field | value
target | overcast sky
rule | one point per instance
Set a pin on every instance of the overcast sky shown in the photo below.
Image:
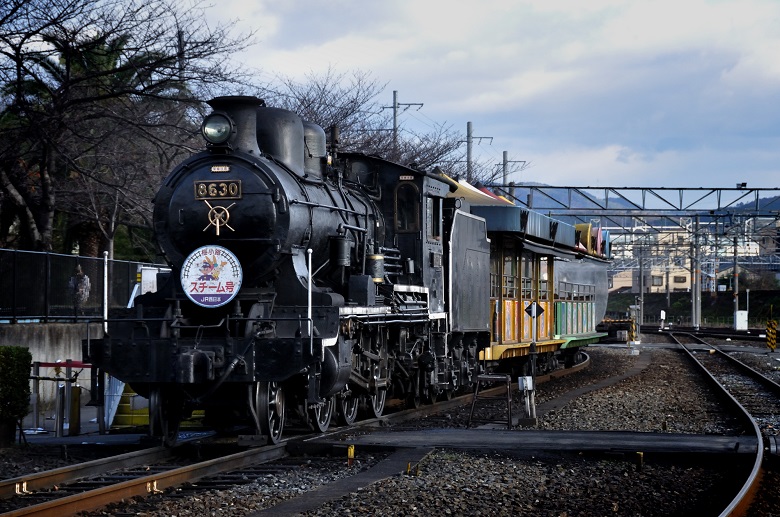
(678, 93)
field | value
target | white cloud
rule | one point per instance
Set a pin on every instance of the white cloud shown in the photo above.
(625, 91)
(619, 166)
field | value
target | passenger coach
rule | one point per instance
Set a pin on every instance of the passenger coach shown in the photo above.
(548, 285)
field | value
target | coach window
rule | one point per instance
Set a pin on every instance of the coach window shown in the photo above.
(407, 208)
(544, 278)
(527, 276)
(495, 269)
(510, 270)
(433, 217)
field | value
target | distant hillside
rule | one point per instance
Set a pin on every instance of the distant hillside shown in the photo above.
(765, 203)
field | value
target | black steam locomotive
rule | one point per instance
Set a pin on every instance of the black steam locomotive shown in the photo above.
(318, 282)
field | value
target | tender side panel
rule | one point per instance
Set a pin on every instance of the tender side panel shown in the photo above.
(469, 274)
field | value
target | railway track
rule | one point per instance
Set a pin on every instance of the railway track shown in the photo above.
(753, 335)
(754, 397)
(92, 485)
(151, 473)
(199, 477)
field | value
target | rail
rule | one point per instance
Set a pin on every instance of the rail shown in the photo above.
(142, 486)
(741, 501)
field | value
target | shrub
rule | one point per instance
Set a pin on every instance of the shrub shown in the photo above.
(15, 364)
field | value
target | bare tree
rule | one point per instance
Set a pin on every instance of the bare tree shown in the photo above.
(758, 280)
(99, 97)
(350, 102)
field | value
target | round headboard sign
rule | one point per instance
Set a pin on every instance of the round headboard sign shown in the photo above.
(211, 276)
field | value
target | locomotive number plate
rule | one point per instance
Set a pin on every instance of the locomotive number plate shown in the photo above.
(230, 189)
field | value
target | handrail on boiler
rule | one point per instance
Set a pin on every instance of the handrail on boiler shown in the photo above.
(309, 308)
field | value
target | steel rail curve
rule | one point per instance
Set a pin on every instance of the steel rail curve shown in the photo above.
(741, 502)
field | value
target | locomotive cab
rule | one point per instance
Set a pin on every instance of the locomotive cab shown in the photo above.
(417, 217)
(414, 237)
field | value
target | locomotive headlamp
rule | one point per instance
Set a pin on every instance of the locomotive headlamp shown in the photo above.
(217, 128)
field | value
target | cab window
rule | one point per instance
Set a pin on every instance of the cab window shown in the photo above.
(407, 208)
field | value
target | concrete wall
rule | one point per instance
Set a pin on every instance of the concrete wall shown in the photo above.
(49, 343)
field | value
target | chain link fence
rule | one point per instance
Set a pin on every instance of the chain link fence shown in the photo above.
(44, 287)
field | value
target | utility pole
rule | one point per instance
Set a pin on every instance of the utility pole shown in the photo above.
(505, 166)
(736, 282)
(695, 276)
(509, 187)
(395, 107)
(641, 288)
(668, 290)
(697, 286)
(469, 139)
(716, 262)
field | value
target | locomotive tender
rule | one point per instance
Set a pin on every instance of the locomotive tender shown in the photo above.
(315, 282)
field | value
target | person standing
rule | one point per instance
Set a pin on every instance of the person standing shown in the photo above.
(79, 289)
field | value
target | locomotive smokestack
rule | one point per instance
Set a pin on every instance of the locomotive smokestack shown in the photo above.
(243, 112)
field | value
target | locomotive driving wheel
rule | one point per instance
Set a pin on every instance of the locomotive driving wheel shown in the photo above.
(266, 401)
(376, 402)
(446, 394)
(348, 407)
(165, 415)
(319, 416)
(413, 397)
(376, 370)
(430, 390)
